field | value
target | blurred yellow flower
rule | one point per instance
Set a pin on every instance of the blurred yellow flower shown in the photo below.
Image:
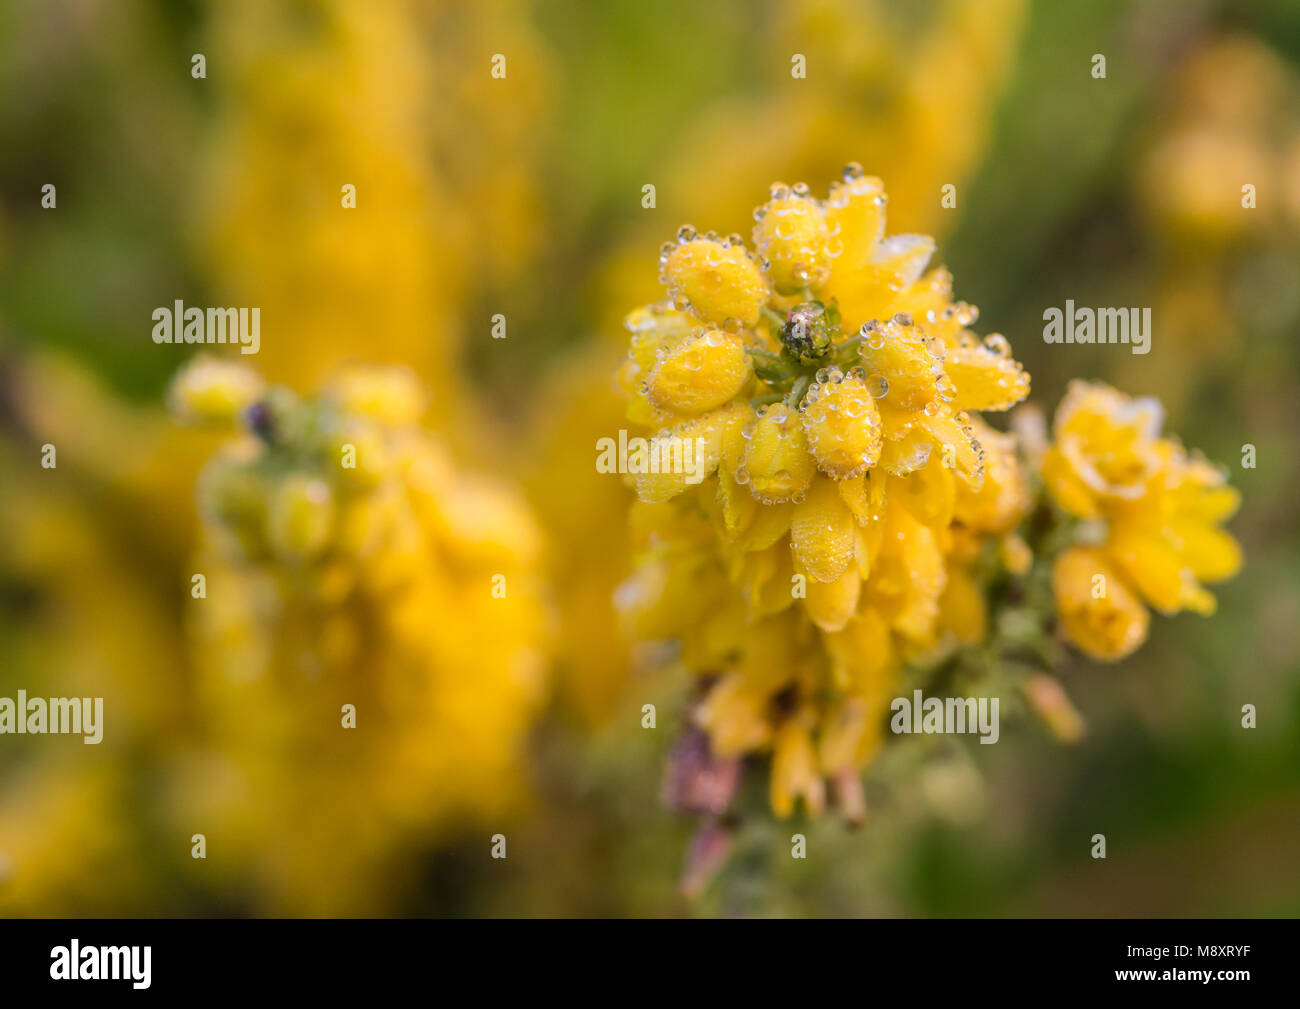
(1160, 509)
(1098, 612)
(213, 390)
(1217, 186)
(1228, 122)
(355, 573)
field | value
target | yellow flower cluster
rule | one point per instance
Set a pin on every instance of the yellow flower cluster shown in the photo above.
(342, 197)
(827, 383)
(352, 572)
(961, 49)
(1159, 508)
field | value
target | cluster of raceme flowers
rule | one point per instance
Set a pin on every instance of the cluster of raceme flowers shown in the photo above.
(353, 565)
(857, 514)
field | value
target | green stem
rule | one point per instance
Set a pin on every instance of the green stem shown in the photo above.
(771, 367)
(845, 354)
(774, 319)
(796, 393)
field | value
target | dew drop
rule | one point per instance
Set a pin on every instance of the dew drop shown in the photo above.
(999, 344)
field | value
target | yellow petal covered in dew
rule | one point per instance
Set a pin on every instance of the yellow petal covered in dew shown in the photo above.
(701, 373)
(792, 238)
(777, 464)
(822, 532)
(842, 423)
(715, 280)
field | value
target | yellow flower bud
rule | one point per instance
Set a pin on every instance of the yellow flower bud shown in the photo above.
(957, 445)
(770, 524)
(1105, 449)
(300, 517)
(855, 213)
(212, 390)
(777, 463)
(701, 373)
(766, 578)
(929, 493)
(734, 714)
(739, 507)
(843, 426)
(822, 532)
(845, 728)
(794, 771)
(653, 328)
(1002, 500)
(792, 236)
(361, 453)
(900, 260)
(910, 364)
(832, 604)
(390, 395)
(716, 280)
(1098, 613)
(909, 575)
(985, 375)
(862, 655)
(683, 457)
(884, 284)
(865, 496)
(232, 497)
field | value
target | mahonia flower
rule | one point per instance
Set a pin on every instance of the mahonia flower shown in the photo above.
(350, 562)
(962, 49)
(828, 383)
(1159, 509)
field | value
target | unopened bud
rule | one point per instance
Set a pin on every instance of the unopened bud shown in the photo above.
(809, 332)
